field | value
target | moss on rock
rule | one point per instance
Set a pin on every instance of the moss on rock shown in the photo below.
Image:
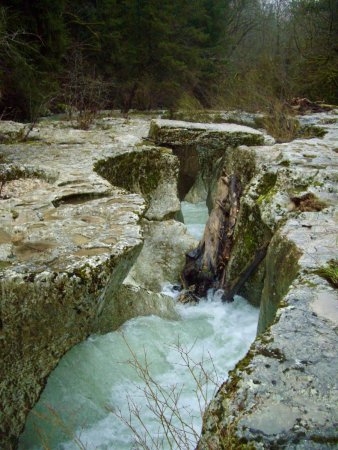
(150, 171)
(281, 269)
(251, 234)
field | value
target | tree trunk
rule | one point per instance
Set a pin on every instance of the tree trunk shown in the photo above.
(130, 98)
(206, 266)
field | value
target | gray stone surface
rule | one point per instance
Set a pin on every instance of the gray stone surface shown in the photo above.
(149, 171)
(283, 394)
(68, 238)
(199, 145)
(198, 192)
(133, 301)
(162, 257)
(193, 129)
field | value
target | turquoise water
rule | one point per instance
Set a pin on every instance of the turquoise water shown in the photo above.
(195, 216)
(97, 380)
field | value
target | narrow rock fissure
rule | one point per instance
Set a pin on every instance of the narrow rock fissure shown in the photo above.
(209, 306)
(272, 218)
(201, 329)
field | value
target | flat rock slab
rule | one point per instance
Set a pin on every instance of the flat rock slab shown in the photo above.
(199, 146)
(55, 210)
(218, 127)
(176, 132)
(326, 305)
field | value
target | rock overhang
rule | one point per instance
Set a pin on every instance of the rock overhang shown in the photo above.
(179, 133)
(199, 146)
(67, 240)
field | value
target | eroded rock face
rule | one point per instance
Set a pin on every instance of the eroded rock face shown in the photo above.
(160, 261)
(283, 393)
(68, 238)
(133, 301)
(198, 192)
(199, 145)
(284, 171)
(150, 171)
(163, 254)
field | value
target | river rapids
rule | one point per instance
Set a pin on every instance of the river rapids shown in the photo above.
(124, 390)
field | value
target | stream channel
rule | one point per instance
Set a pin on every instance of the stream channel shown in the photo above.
(94, 380)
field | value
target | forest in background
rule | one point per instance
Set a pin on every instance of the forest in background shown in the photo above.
(147, 54)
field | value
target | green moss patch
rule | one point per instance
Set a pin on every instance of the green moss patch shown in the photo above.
(311, 131)
(281, 269)
(137, 171)
(267, 182)
(330, 272)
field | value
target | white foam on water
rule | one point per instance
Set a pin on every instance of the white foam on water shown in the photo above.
(95, 375)
(95, 378)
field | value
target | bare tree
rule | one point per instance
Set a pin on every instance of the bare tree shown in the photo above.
(177, 428)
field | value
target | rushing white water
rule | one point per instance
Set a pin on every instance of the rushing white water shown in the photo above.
(97, 378)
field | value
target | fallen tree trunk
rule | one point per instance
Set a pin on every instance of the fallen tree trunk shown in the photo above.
(231, 291)
(206, 266)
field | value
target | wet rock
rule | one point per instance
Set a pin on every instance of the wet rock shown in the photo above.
(133, 301)
(198, 191)
(283, 394)
(188, 297)
(199, 145)
(67, 240)
(162, 257)
(161, 261)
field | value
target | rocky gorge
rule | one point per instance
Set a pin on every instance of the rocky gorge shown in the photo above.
(89, 215)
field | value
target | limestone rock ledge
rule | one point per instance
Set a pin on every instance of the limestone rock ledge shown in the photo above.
(162, 257)
(198, 146)
(283, 394)
(149, 171)
(68, 238)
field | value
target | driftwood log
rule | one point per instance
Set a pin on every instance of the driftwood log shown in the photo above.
(206, 266)
(306, 106)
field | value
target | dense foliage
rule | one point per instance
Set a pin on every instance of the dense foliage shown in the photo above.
(147, 54)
